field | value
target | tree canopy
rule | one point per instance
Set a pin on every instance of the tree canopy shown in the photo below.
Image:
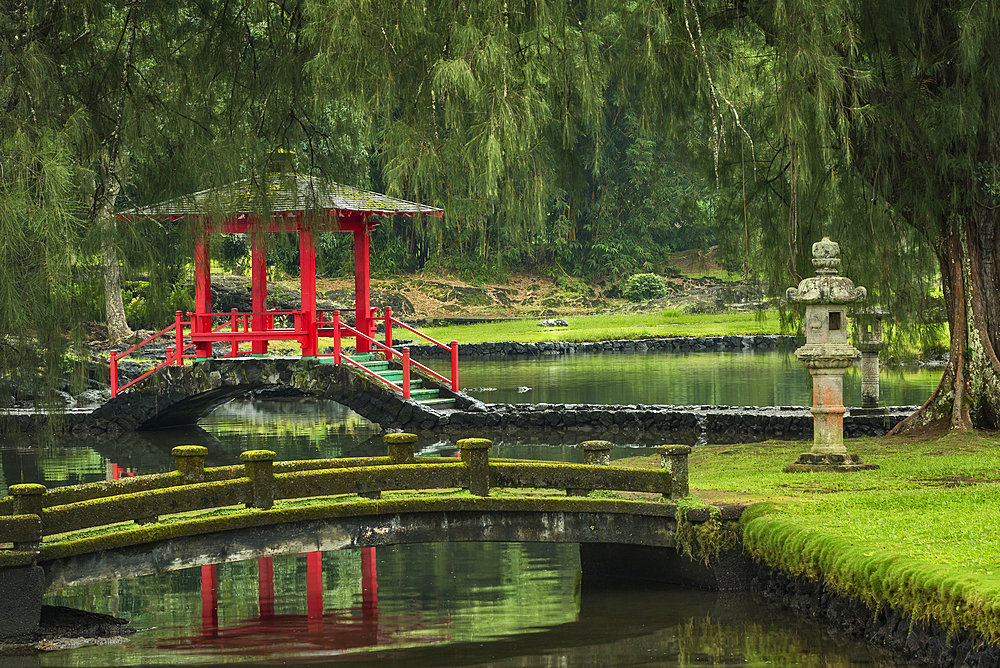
(557, 128)
(876, 123)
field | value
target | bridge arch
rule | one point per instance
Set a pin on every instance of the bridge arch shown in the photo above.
(607, 540)
(182, 395)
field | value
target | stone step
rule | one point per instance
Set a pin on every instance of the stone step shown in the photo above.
(377, 365)
(421, 395)
(440, 402)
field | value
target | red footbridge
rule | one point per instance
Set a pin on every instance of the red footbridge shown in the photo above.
(288, 203)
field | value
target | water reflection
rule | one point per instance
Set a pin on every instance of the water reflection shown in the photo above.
(473, 604)
(747, 378)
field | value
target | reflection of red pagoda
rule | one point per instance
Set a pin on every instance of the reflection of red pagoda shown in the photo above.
(116, 472)
(269, 632)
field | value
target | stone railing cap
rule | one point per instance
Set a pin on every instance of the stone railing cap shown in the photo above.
(399, 438)
(189, 451)
(597, 445)
(258, 456)
(26, 489)
(475, 443)
(674, 449)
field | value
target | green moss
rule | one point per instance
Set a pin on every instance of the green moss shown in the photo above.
(704, 540)
(474, 443)
(399, 438)
(956, 599)
(189, 451)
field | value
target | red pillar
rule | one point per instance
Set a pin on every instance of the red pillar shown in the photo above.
(362, 289)
(369, 584)
(258, 273)
(265, 586)
(314, 590)
(202, 323)
(307, 286)
(209, 601)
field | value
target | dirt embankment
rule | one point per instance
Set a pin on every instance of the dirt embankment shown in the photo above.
(694, 287)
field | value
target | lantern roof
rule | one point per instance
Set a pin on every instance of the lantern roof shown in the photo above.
(827, 287)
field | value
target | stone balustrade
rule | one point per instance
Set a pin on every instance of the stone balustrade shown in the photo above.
(32, 512)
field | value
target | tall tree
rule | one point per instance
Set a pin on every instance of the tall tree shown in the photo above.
(877, 122)
(149, 100)
(870, 120)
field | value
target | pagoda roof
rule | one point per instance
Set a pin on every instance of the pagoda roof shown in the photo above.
(283, 193)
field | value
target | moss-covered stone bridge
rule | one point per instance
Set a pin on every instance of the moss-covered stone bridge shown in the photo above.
(632, 524)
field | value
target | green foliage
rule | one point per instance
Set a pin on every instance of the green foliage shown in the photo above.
(232, 251)
(530, 124)
(831, 103)
(644, 287)
(147, 310)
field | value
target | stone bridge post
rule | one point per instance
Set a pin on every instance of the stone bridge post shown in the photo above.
(476, 455)
(189, 460)
(674, 458)
(400, 447)
(259, 468)
(22, 587)
(595, 453)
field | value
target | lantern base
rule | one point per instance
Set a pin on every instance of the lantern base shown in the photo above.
(837, 463)
(877, 410)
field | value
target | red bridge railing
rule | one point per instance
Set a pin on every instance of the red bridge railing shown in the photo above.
(200, 331)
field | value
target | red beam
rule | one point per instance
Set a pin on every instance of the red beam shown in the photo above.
(362, 290)
(202, 292)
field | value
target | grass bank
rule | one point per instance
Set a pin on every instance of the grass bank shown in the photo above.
(611, 327)
(920, 534)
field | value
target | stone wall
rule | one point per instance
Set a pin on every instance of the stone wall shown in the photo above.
(679, 424)
(677, 344)
(920, 642)
(182, 395)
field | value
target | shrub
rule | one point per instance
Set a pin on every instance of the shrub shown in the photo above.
(643, 287)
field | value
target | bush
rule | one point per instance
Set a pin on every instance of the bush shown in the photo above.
(643, 287)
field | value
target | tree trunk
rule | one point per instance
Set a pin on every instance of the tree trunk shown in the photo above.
(118, 328)
(968, 395)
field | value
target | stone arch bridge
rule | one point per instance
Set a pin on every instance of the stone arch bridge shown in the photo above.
(181, 395)
(88, 533)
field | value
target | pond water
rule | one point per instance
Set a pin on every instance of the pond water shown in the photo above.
(473, 604)
(746, 378)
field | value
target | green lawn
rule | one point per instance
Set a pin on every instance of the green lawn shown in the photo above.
(610, 327)
(920, 534)
(932, 500)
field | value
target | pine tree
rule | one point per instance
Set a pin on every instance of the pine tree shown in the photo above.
(876, 123)
(148, 100)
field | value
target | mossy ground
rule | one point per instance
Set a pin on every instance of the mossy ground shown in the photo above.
(920, 534)
(929, 499)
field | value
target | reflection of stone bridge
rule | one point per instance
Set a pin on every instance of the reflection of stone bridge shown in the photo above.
(182, 395)
(195, 515)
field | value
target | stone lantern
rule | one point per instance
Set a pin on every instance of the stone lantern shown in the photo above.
(827, 354)
(869, 343)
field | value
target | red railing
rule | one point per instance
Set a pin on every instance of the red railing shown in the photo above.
(452, 349)
(237, 327)
(115, 357)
